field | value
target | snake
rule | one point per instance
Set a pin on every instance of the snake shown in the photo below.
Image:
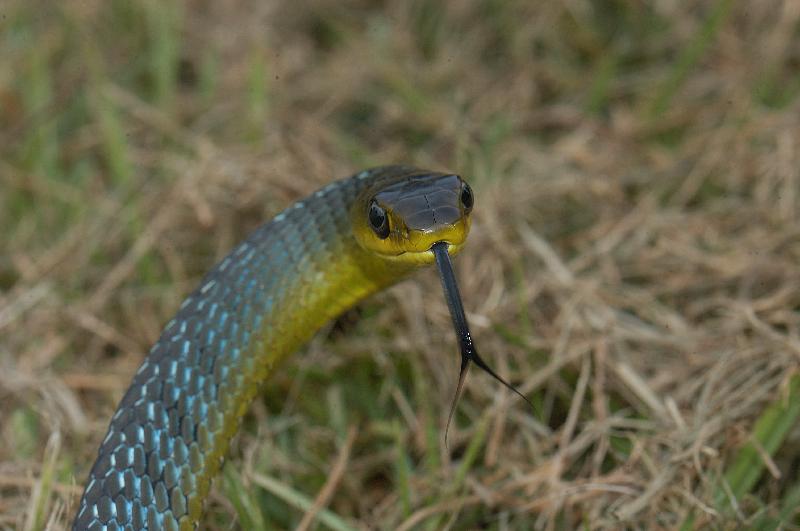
(170, 433)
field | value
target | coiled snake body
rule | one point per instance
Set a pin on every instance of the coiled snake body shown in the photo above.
(169, 435)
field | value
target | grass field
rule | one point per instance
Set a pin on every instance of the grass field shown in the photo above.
(633, 264)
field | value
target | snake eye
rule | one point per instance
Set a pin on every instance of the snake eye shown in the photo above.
(467, 199)
(378, 221)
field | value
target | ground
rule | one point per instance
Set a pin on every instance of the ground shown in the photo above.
(633, 264)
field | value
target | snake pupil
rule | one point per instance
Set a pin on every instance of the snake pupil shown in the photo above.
(378, 221)
(467, 198)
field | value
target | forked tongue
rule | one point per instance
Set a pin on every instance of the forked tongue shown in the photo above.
(465, 344)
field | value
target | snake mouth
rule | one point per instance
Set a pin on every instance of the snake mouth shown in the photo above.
(444, 246)
(423, 256)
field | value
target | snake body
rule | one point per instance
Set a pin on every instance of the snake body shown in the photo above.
(264, 300)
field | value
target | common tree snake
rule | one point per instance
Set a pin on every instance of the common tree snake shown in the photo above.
(171, 431)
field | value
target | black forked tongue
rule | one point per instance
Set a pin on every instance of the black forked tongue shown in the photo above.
(468, 351)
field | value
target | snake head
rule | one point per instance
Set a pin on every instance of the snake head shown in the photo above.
(402, 217)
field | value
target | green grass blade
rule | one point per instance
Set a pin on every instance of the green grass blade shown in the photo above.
(300, 501)
(690, 56)
(243, 500)
(769, 432)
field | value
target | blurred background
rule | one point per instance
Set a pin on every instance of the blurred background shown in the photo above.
(633, 265)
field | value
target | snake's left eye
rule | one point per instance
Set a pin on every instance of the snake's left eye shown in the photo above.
(467, 199)
(378, 221)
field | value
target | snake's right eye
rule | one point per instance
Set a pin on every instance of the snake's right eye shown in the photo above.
(467, 199)
(378, 221)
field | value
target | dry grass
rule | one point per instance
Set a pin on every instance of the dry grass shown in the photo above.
(633, 262)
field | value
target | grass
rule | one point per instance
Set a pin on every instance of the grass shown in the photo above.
(633, 263)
